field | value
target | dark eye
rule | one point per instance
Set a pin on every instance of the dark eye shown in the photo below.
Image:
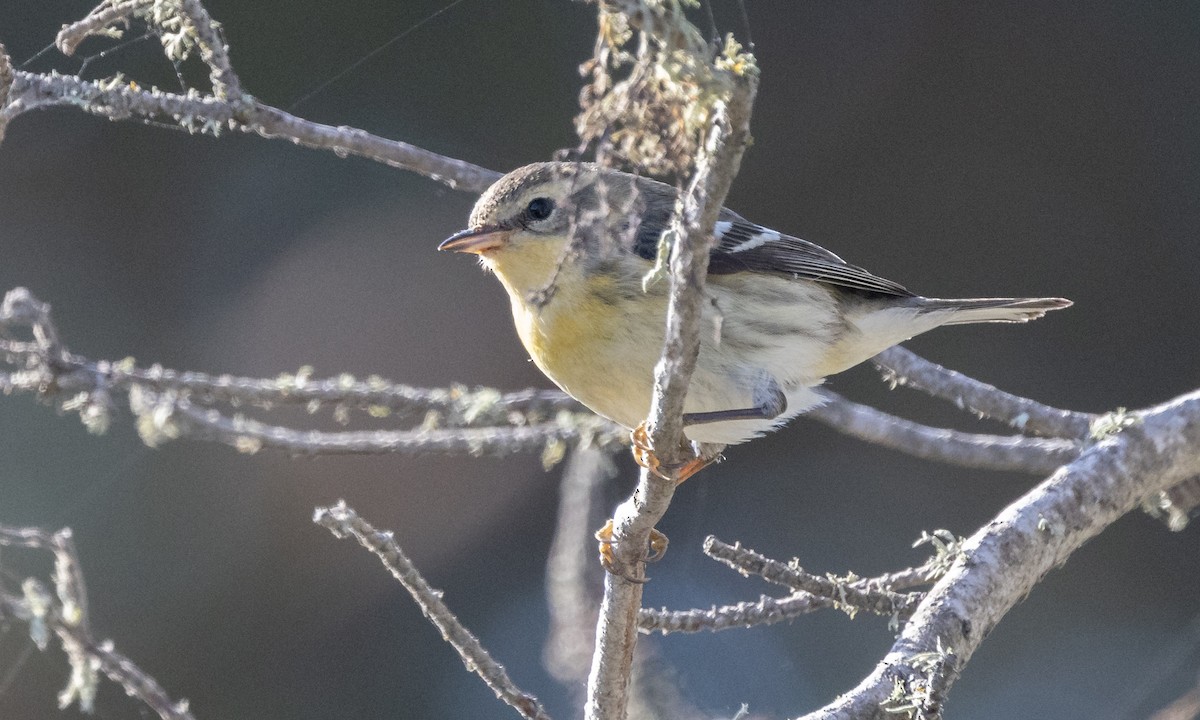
(540, 208)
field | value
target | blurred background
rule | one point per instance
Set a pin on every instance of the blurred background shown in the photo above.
(959, 148)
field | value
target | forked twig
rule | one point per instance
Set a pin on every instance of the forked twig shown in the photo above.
(66, 615)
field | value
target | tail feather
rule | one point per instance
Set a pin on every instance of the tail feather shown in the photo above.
(982, 310)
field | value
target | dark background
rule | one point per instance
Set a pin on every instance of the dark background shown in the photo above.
(960, 148)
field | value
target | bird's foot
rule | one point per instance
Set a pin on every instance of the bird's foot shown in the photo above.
(608, 558)
(643, 455)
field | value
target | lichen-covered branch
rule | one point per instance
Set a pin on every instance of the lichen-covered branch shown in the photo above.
(851, 594)
(1001, 563)
(165, 417)
(184, 25)
(100, 21)
(344, 522)
(717, 163)
(65, 613)
(769, 610)
(168, 405)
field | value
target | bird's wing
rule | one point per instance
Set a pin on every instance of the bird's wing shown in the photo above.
(743, 246)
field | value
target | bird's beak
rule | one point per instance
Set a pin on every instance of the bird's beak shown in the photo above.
(476, 240)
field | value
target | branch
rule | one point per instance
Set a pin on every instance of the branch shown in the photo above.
(343, 522)
(164, 402)
(903, 367)
(1003, 561)
(225, 107)
(770, 610)
(568, 647)
(97, 22)
(633, 521)
(67, 616)
(169, 417)
(847, 593)
(989, 452)
(6, 81)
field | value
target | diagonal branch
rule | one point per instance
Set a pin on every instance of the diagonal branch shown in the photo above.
(1004, 560)
(120, 101)
(343, 522)
(903, 367)
(989, 452)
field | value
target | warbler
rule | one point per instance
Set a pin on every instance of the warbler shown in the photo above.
(574, 245)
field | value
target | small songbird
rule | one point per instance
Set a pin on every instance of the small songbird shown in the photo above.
(573, 244)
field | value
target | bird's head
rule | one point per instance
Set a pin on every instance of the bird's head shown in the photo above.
(525, 226)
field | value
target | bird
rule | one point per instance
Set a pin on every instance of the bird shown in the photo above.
(574, 243)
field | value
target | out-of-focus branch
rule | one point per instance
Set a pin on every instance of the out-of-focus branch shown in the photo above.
(1184, 707)
(6, 81)
(169, 404)
(343, 522)
(571, 566)
(99, 21)
(1002, 562)
(66, 615)
(990, 452)
(903, 367)
(182, 417)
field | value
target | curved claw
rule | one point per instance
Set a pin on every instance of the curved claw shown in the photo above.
(658, 546)
(608, 558)
(643, 455)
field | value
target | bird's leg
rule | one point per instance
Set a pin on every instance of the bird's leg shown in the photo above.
(770, 402)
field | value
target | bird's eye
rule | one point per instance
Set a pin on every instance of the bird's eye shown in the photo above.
(540, 208)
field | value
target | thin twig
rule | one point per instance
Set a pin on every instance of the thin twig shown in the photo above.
(850, 593)
(1002, 562)
(68, 619)
(250, 435)
(903, 367)
(990, 452)
(769, 610)
(209, 114)
(99, 19)
(343, 522)
(166, 402)
(766, 611)
(225, 82)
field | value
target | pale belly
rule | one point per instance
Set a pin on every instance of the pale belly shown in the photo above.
(603, 351)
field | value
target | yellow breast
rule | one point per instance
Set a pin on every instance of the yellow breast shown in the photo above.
(594, 346)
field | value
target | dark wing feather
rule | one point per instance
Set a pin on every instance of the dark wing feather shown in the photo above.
(744, 246)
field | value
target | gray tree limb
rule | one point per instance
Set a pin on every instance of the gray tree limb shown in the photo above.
(344, 522)
(1004, 560)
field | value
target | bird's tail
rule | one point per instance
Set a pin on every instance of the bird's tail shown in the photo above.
(982, 310)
